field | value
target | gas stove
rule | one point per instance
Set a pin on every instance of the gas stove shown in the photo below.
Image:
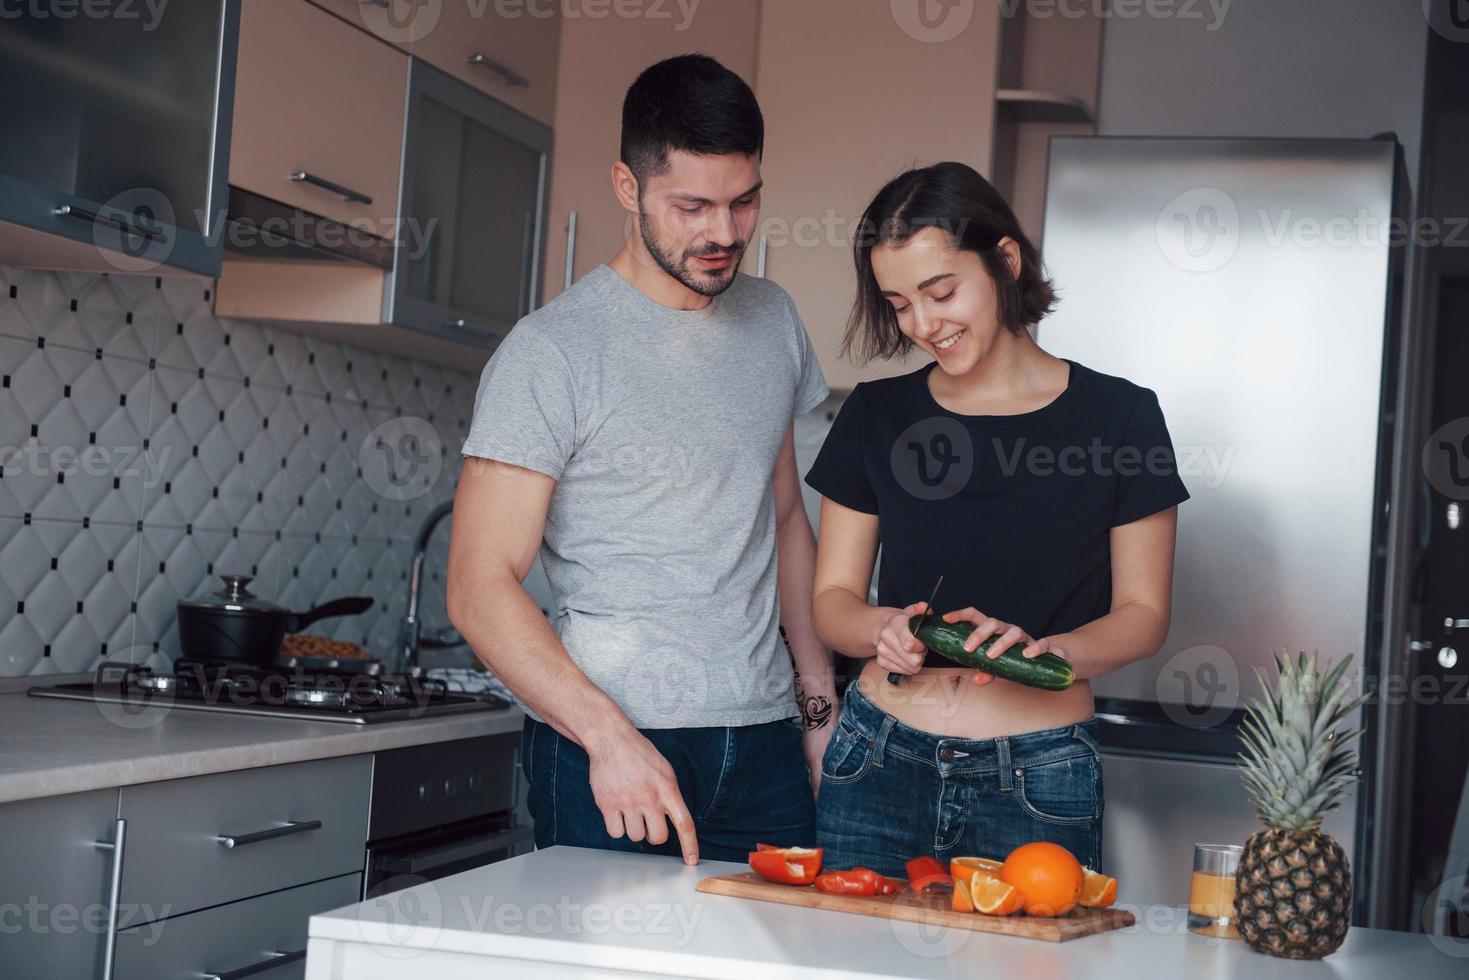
(312, 689)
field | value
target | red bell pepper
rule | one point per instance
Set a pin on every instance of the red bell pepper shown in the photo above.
(925, 871)
(858, 881)
(786, 865)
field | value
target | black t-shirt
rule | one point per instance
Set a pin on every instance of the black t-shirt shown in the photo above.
(1013, 510)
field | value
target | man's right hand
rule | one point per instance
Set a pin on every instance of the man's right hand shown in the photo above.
(638, 794)
(898, 650)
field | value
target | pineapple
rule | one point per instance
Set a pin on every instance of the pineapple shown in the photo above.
(1293, 889)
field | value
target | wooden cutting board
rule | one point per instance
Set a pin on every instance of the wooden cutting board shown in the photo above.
(931, 908)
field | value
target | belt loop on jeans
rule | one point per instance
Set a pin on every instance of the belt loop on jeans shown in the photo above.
(879, 747)
(1002, 748)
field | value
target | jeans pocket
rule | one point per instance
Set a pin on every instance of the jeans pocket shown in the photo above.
(848, 756)
(1063, 791)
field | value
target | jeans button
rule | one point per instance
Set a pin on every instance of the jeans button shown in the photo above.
(946, 754)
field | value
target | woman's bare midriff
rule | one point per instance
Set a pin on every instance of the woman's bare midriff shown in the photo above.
(946, 701)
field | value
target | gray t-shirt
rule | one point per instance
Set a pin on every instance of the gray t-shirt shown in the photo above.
(661, 428)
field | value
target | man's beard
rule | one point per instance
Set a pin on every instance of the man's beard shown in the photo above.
(703, 283)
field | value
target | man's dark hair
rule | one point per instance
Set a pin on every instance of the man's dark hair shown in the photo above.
(954, 198)
(692, 103)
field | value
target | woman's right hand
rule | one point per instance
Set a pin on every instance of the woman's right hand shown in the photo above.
(898, 650)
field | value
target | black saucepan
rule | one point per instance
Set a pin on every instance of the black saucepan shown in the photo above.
(235, 624)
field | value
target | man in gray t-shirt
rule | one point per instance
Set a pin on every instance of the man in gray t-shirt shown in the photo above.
(637, 430)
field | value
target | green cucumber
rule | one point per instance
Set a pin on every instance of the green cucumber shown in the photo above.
(1048, 671)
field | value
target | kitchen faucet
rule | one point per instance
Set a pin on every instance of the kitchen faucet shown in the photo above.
(413, 640)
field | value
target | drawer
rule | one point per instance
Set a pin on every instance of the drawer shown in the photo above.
(314, 94)
(193, 843)
(232, 937)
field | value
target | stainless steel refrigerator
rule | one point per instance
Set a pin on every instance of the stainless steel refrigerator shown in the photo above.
(1250, 284)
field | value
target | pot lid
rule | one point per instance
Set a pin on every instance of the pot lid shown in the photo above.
(234, 597)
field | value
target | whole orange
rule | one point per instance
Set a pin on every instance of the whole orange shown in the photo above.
(1047, 875)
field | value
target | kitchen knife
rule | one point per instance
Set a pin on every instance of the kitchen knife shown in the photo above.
(895, 677)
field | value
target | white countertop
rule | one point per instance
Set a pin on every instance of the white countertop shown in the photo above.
(570, 911)
(50, 747)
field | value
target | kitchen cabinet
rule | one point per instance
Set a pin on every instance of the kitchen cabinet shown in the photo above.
(318, 120)
(117, 137)
(268, 932)
(58, 905)
(600, 58)
(849, 103)
(506, 50)
(474, 187)
(241, 834)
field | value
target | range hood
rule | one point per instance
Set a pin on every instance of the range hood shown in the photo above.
(262, 228)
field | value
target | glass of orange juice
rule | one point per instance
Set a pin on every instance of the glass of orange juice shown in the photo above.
(1211, 890)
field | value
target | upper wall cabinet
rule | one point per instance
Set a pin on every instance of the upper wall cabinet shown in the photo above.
(507, 50)
(116, 136)
(318, 122)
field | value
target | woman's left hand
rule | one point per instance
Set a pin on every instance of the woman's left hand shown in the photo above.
(1009, 636)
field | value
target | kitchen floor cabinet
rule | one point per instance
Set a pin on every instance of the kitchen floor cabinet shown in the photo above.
(55, 884)
(208, 840)
(268, 932)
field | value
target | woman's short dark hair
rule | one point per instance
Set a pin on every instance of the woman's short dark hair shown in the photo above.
(692, 103)
(955, 199)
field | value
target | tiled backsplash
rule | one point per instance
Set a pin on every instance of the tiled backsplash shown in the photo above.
(150, 446)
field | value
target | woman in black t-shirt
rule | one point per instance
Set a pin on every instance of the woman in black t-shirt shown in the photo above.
(1044, 493)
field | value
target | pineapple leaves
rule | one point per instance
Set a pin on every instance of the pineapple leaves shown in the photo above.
(1295, 763)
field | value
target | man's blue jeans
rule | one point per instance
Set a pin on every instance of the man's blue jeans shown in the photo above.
(742, 785)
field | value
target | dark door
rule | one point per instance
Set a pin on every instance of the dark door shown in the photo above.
(1438, 665)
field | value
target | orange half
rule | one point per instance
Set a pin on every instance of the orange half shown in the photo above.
(963, 867)
(992, 896)
(1097, 890)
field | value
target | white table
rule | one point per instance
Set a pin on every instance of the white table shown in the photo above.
(581, 913)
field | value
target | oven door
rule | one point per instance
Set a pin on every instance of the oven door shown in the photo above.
(411, 860)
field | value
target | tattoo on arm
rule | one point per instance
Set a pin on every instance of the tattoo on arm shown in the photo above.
(816, 709)
(815, 712)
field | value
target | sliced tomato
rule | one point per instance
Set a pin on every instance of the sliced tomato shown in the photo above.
(925, 871)
(786, 865)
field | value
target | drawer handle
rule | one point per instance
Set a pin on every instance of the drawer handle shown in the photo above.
(120, 224)
(346, 193)
(295, 827)
(511, 77)
(274, 960)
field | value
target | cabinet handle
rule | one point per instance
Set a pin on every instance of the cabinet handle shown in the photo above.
(511, 77)
(346, 193)
(570, 247)
(295, 827)
(760, 256)
(114, 890)
(275, 959)
(120, 224)
(457, 323)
